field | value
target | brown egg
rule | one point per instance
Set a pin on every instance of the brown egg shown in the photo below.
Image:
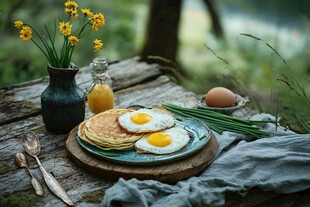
(220, 97)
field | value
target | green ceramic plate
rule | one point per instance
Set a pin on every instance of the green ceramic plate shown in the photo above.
(199, 133)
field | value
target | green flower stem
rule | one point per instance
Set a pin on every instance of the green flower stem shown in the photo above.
(78, 36)
(65, 62)
(46, 46)
(55, 56)
(67, 53)
(71, 52)
(41, 49)
(61, 57)
(82, 29)
(62, 51)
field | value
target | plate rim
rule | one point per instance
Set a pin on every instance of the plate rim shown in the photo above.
(177, 155)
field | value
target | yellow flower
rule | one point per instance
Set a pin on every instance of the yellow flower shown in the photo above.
(18, 24)
(71, 4)
(61, 55)
(95, 26)
(65, 28)
(68, 11)
(87, 12)
(74, 40)
(26, 33)
(74, 13)
(99, 19)
(97, 45)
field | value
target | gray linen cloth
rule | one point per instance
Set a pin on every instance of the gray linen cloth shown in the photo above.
(280, 163)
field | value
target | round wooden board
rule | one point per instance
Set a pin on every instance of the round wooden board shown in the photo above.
(167, 173)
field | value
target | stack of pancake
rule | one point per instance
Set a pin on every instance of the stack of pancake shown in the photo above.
(104, 131)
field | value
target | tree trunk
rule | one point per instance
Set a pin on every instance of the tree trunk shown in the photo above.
(162, 29)
(215, 18)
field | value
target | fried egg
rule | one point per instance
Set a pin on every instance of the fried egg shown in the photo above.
(146, 120)
(163, 142)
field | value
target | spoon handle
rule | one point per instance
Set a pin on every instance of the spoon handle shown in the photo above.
(53, 184)
(37, 187)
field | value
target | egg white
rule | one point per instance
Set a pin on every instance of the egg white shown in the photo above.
(160, 120)
(179, 137)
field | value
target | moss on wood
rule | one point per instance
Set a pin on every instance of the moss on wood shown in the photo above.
(3, 167)
(93, 197)
(20, 199)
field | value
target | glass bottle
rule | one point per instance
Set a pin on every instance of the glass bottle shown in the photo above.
(100, 95)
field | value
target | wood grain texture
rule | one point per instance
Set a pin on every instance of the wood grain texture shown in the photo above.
(168, 172)
(147, 88)
(23, 100)
(134, 83)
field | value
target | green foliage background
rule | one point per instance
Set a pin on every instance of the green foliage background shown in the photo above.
(255, 70)
(250, 67)
(21, 61)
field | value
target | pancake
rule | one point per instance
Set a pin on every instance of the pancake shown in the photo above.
(81, 134)
(104, 132)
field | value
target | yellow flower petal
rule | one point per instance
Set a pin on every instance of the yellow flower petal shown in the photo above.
(87, 12)
(65, 28)
(97, 45)
(98, 19)
(68, 11)
(74, 13)
(18, 23)
(26, 33)
(95, 27)
(71, 4)
(74, 40)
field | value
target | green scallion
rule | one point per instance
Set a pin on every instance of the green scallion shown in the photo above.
(220, 122)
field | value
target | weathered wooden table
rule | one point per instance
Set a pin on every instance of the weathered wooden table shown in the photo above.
(134, 82)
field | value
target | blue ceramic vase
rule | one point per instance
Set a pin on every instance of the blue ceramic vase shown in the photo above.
(62, 102)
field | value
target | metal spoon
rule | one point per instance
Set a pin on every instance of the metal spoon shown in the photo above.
(21, 161)
(32, 147)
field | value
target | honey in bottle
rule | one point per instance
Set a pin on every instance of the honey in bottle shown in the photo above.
(100, 95)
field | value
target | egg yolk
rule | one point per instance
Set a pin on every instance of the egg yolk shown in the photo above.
(159, 139)
(140, 118)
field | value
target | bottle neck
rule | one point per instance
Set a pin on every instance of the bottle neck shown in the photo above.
(99, 70)
(99, 67)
